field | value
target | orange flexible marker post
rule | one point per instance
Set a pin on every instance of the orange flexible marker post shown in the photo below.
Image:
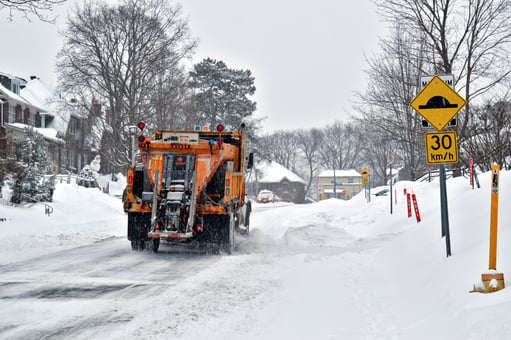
(493, 280)
(416, 208)
(409, 205)
(494, 214)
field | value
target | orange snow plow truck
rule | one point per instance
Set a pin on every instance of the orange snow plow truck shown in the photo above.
(188, 187)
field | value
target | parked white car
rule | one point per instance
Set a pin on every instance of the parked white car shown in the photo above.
(265, 196)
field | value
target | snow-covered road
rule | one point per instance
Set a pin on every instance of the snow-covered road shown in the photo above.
(105, 288)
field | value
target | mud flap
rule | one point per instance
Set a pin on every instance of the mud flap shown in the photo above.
(229, 246)
(242, 224)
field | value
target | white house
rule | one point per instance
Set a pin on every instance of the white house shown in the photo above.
(342, 184)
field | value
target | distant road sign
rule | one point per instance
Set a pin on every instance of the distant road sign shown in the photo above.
(441, 147)
(447, 78)
(438, 103)
(365, 176)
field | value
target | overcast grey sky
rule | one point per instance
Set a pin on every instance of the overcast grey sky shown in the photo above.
(307, 57)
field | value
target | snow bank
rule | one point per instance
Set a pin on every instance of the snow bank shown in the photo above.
(80, 216)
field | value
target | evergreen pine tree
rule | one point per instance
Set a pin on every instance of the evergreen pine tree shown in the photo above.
(222, 94)
(32, 156)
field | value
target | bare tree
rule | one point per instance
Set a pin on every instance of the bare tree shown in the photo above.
(28, 8)
(308, 142)
(279, 146)
(340, 146)
(384, 106)
(375, 154)
(467, 38)
(490, 135)
(126, 57)
(171, 101)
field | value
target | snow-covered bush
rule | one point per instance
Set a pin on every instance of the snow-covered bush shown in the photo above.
(27, 175)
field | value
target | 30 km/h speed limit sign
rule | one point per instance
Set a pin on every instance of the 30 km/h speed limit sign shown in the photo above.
(441, 147)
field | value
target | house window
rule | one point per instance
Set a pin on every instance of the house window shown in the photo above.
(31, 118)
(12, 114)
(285, 187)
(350, 179)
(72, 126)
(71, 159)
(63, 159)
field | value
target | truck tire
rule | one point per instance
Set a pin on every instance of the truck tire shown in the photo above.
(132, 217)
(156, 244)
(247, 214)
(135, 245)
(138, 227)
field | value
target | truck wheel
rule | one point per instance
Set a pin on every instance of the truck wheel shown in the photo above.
(156, 244)
(135, 245)
(133, 234)
(247, 216)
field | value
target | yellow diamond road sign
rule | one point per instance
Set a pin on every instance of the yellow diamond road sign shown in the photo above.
(365, 176)
(438, 103)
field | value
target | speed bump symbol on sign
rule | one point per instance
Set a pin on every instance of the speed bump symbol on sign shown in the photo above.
(438, 103)
(441, 147)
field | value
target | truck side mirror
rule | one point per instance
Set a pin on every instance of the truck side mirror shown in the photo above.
(250, 162)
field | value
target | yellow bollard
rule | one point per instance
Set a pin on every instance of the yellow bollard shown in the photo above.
(494, 214)
(493, 280)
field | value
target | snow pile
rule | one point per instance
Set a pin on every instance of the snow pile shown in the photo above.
(369, 274)
(79, 216)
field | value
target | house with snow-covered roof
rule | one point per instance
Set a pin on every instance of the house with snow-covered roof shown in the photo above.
(270, 175)
(17, 113)
(341, 184)
(69, 119)
(63, 125)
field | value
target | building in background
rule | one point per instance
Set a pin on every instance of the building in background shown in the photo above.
(18, 113)
(341, 184)
(285, 184)
(63, 123)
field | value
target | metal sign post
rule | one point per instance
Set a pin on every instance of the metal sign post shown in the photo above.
(471, 168)
(391, 159)
(444, 210)
(369, 190)
(438, 103)
(365, 182)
